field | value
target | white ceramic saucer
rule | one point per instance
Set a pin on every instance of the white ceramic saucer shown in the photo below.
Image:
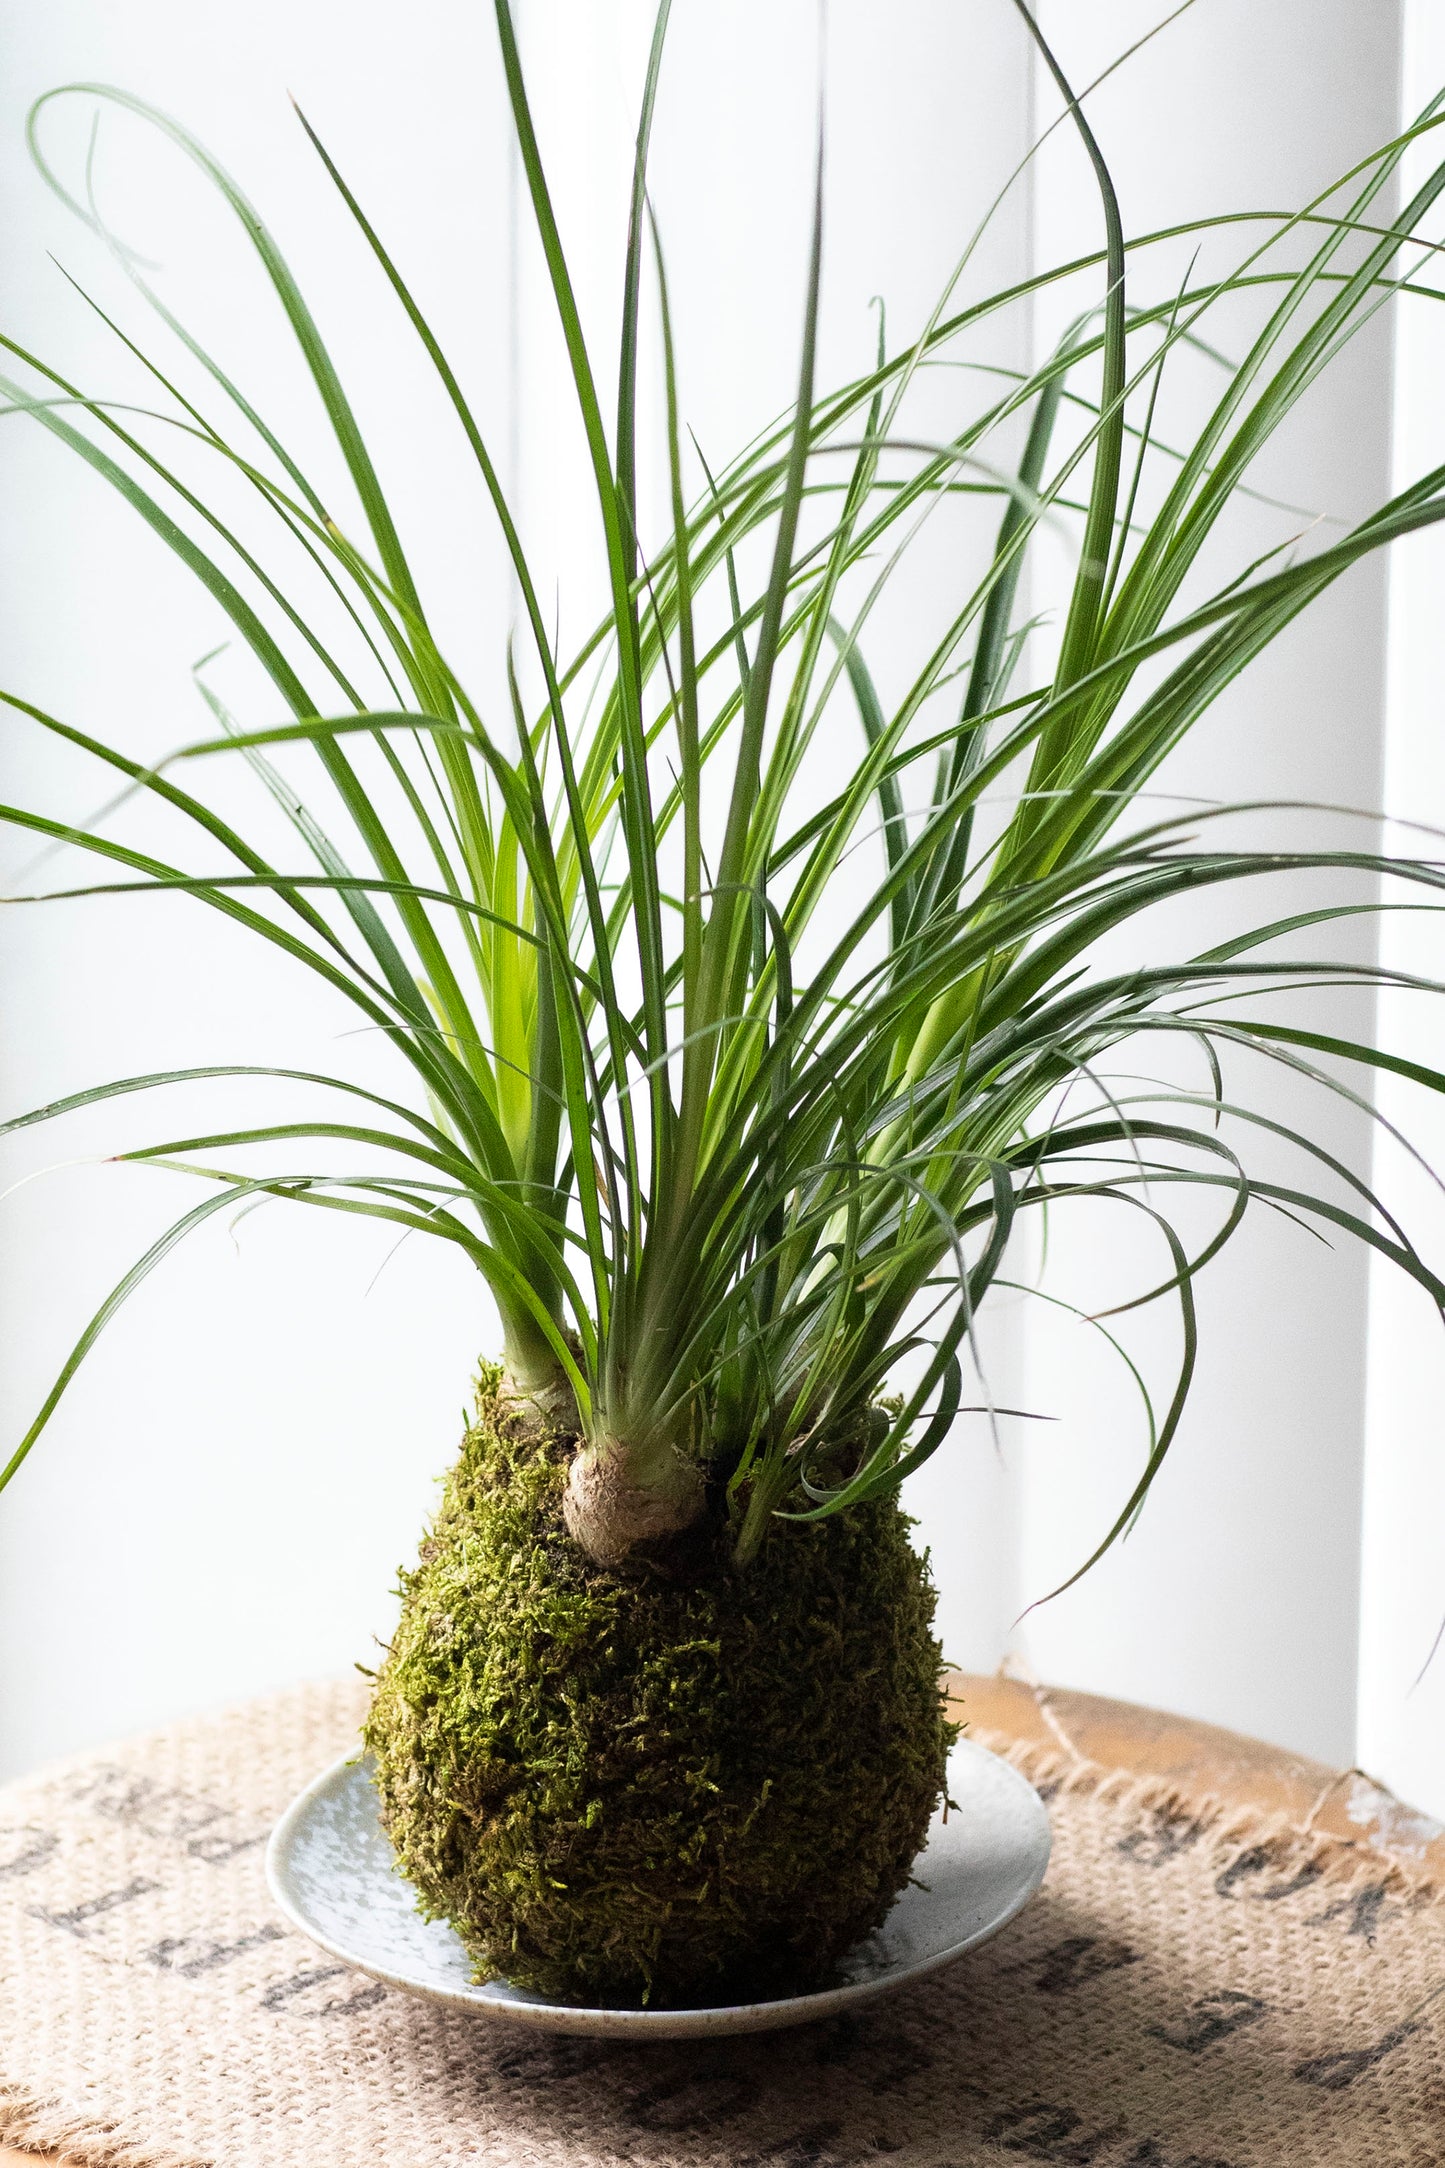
(332, 1873)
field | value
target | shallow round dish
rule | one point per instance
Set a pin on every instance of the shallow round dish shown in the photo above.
(333, 1874)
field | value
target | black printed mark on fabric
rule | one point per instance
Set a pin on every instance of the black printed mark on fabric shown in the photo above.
(283, 1993)
(883, 2059)
(550, 2062)
(159, 1810)
(1042, 2130)
(76, 1920)
(1258, 1860)
(1152, 2155)
(23, 1848)
(1211, 2019)
(1169, 1833)
(839, 2041)
(1081, 1958)
(699, 2100)
(1332, 2073)
(215, 1851)
(169, 1956)
(893, 2061)
(1364, 1911)
(164, 1812)
(814, 2147)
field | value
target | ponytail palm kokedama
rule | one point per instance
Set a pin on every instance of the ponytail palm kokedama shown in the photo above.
(731, 1084)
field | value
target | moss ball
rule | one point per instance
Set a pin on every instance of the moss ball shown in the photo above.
(639, 1789)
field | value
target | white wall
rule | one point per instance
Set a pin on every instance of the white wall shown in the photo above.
(223, 1501)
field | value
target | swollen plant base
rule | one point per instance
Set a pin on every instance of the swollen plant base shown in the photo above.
(627, 1788)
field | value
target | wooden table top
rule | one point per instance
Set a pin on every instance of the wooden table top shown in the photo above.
(1200, 1758)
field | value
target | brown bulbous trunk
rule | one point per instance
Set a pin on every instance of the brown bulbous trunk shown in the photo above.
(627, 1507)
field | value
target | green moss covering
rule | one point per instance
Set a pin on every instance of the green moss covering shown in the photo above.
(626, 1788)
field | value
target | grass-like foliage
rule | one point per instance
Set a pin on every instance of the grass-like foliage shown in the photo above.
(731, 1084)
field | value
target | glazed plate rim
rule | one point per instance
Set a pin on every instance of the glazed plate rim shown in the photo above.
(482, 1999)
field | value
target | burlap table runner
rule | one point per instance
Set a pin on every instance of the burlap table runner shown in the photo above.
(1188, 1991)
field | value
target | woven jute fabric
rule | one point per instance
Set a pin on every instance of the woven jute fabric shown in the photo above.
(1189, 1990)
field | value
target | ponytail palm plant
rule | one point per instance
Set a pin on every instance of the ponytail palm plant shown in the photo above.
(734, 1084)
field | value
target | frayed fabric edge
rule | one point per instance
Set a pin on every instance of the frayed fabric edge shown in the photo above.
(86, 2141)
(1229, 1828)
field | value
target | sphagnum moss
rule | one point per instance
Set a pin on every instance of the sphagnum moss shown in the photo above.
(626, 1787)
